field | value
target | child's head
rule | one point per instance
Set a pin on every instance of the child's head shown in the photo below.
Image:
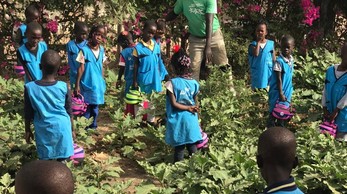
(33, 33)
(32, 13)
(50, 62)
(276, 153)
(149, 30)
(80, 31)
(181, 62)
(44, 177)
(287, 45)
(261, 30)
(160, 29)
(97, 34)
(125, 39)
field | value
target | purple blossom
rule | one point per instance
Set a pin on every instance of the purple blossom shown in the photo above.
(52, 26)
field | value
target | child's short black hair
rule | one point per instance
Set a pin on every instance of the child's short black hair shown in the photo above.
(160, 25)
(79, 26)
(94, 29)
(263, 22)
(149, 23)
(31, 10)
(181, 62)
(50, 62)
(124, 39)
(287, 38)
(44, 177)
(277, 147)
(33, 26)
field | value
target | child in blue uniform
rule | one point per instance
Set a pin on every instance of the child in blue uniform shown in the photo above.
(90, 76)
(276, 159)
(29, 54)
(73, 47)
(48, 104)
(281, 86)
(334, 99)
(182, 126)
(261, 55)
(146, 64)
(32, 14)
(126, 61)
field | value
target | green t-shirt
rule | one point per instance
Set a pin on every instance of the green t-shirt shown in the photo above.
(195, 11)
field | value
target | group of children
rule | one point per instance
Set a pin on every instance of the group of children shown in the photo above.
(48, 101)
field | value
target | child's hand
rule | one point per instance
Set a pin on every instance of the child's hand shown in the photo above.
(334, 114)
(193, 109)
(73, 136)
(283, 97)
(29, 136)
(77, 91)
(326, 114)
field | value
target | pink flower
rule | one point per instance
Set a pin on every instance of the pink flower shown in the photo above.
(3, 64)
(17, 24)
(52, 26)
(6, 76)
(254, 8)
(168, 41)
(311, 13)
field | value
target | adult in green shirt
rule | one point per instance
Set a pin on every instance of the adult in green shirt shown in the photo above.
(206, 39)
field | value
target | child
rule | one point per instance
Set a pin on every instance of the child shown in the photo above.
(44, 177)
(90, 75)
(73, 47)
(261, 55)
(276, 158)
(157, 38)
(48, 104)
(29, 54)
(281, 87)
(334, 99)
(147, 55)
(32, 14)
(126, 62)
(182, 127)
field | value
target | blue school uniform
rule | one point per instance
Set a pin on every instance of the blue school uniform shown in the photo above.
(335, 89)
(127, 55)
(287, 85)
(162, 68)
(92, 83)
(23, 28)
(261, 66)
(53, 134)
(182, 127)
(148, 77)
(31, 61)
(284, 187)
(72, 49)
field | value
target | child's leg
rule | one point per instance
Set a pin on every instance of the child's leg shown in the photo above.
(191, 149)
(179, 153)
(94, 112)
(270, 121)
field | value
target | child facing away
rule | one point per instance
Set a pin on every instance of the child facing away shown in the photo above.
(44, 177)
(90, 75)
(261, 56)
(276, 159)
(48, 104)
(29, 54)
(281, 86)
(73, 47)
(334, 100)
(182, 126)
(32, 14)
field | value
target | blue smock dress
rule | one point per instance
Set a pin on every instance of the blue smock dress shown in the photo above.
(182, 127)
(72, 49)
(23, 29)
(335, 89)
(53, 134)
(92, 83)
(261, 66)
(127, 55)
(287, 84)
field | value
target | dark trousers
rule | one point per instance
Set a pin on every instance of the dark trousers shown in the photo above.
(273, 122)
(179, 151)
(92, 111)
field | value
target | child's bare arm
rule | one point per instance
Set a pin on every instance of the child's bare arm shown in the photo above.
(28, 114)
(80, 72)
(136, 67)
(279, 86)
(18, 37)
(179, 106)
(255, 49)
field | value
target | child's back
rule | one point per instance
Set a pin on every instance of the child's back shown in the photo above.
(52, 124)
(127, 54)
